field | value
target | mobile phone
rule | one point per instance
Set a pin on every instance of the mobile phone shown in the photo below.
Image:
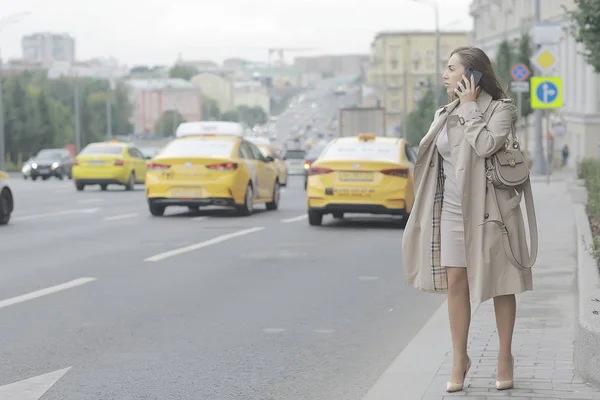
(472, 72)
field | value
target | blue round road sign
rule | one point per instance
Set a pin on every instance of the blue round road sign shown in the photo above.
(520, 72)
(546, 92)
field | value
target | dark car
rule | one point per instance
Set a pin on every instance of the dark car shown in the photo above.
(313, 154)
(51, 163)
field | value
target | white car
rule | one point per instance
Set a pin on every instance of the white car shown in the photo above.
(294, 160)
(6, 199)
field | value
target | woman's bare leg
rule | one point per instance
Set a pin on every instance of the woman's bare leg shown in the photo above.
(459, 311)
(506, 311)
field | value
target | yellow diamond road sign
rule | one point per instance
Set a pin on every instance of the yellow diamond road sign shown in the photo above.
(545, 59)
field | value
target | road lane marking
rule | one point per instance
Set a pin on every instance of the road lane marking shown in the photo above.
(198, 218)
(299, 218)
(273, 330)
(326, 331)
(368, 278)
(87, 201)
(58, 213)
(206, 243)
(32, 388)
(45, 292)
(122, 216)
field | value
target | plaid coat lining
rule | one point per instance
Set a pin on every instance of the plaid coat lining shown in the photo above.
(438, 271)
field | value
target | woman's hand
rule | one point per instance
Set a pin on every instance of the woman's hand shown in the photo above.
(469, 90)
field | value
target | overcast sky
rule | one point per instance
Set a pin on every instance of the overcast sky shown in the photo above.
(155, 31)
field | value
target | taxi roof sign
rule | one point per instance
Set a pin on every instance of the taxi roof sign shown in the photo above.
(201, 128)
(365, 137)
(258, 140)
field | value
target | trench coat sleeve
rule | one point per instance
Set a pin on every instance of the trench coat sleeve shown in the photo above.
(488, 138)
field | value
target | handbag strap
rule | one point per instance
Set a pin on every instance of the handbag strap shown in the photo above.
(532, 223)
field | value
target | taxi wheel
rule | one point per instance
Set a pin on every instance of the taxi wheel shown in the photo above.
(315, 218)
(157, 210)
(104, 188)
(79, 186)
(274, 204)
(130, 182)
(5, 206)
(248, 206)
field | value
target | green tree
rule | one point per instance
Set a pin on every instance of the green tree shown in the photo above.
(252, 115)
(419, 120)
(524, 54)
(505, 59)
(182, 71)
(210, 109)
(15, 116)
(232, 116)
(585, 18)
(167, 123)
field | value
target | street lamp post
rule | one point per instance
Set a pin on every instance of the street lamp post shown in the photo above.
(438, 73)
(10, 19)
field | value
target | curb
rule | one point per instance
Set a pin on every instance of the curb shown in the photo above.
(587, 351)
(411, 373)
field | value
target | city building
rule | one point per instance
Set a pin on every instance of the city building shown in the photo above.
(219, 88)
(332, 65)
(252, 94)
(100, 68)
(577, 123)
(405, 58)
(45, 47)
(151, 98)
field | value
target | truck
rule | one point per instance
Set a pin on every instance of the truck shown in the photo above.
(356, 120)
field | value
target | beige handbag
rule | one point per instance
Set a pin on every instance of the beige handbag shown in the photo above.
(507, 169)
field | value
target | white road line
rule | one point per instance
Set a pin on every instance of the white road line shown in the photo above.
(198, 218)
(273, 330)
(32, 388)
(326, 331)
(299, 218)
(58, 213)
(87, 201)
(44, 292)
(197, 246)
(122, 216)
(368, 278)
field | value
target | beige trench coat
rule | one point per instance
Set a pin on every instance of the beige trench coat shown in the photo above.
(476, 131)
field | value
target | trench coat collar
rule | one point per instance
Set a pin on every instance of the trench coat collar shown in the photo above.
(483, 102)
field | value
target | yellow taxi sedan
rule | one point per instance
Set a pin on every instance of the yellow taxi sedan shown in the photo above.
(6, 199)
(364, 174)
(211, 164)
(109, 163)
(265, 147)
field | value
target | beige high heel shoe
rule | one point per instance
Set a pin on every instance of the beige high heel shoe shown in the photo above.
(457, 387)
(505, 385)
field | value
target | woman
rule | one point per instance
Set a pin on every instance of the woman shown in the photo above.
(447, 245)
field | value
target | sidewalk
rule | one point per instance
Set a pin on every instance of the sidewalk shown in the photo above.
(544, 332)
(546, 319)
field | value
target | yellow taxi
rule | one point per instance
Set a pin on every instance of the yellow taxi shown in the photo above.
(265, 147)
(362, 174)
(6, 199)
(211, 164)
(109, 163)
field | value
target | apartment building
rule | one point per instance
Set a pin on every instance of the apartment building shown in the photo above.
(46, 48)
(498, 20)
(405, 58)
(151, 98)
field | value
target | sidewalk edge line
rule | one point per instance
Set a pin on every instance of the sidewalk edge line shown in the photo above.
(410, 374)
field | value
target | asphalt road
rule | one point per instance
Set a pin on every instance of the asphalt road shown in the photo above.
(283, 311)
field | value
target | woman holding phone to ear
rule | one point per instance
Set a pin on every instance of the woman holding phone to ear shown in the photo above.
(447, 245)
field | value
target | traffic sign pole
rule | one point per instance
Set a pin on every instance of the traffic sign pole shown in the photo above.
(539, 163)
